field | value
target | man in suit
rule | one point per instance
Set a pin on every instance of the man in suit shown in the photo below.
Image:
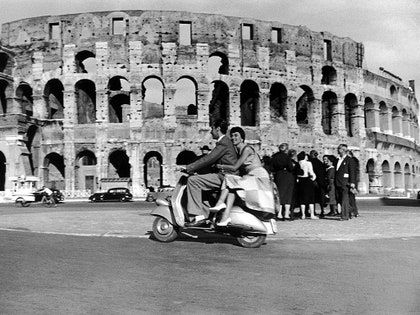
(223, 153)
(345, 178)
(354, 211)
(320, 186)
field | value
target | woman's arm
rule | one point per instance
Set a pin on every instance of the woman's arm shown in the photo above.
(247, 151)
(311, 171)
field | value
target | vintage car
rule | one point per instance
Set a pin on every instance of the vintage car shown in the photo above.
(113, 194)
(163, 192)
(57, 195)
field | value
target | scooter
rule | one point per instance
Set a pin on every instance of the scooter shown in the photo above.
(249, 230)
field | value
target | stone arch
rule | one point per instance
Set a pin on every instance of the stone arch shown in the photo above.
(219, 104)
(85, 101)
(153, 97)
(54, 171)
(250, 97)
(304, 106)
(386, 175)
(85, 62)
(278, 102)
(369, 112)
(2, 171)
(153, 170)
(329, 112)
(85, 171)
(407, 177)
(54, 99)
(370, 170)
(329, 75)
(398, 176)
(24, 98)
(185, 157)
(119, 108)
(119, 164)
(185, 95)
(396, 121)
(383, 117)
(3, 99)
(118, 83)
(218, 63)
(350, 113)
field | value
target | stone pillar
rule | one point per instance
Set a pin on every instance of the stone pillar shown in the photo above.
(125, 108)
(315, 117)
(376, 118)
(136, 110)
(358, 119)
(203, 101)
(264, 108)
(37, 65)
(202, 52)
(69, 66)
(70, 110)
(338, 119)
(291, 109)
(235, 107)
(263, 57)
(102, 105)
(136, 171)
(39, 108)
(169, 109)
(234, 56)
(389, 131)
(398, 125)
(69, 160)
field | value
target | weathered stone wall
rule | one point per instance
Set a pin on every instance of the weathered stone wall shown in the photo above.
(149, 47)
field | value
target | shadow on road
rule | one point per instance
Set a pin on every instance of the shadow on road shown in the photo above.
(400, 202)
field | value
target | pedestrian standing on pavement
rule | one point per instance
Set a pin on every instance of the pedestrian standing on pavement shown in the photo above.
(282, 167)
(345, 179)
(330, 180)
(354, 212)
(296, 171)
(306, 192)
(319, 169)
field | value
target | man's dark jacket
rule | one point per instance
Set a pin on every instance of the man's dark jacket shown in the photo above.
(346, 174)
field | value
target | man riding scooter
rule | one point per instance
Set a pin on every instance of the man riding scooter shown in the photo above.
(223, 153)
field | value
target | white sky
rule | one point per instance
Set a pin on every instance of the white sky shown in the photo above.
(389, 29)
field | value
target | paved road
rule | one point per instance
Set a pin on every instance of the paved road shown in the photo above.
(305, 269)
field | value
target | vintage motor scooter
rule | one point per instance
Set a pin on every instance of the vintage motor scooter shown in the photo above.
(249, 230)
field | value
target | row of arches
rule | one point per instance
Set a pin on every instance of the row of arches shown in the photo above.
(397, 177)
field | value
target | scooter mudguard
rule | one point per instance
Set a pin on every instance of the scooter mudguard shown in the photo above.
(247, 221)
(163, 211)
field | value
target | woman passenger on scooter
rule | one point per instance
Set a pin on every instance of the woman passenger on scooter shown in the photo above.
(254, 187)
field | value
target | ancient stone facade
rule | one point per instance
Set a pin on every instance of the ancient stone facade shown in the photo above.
(121, 97)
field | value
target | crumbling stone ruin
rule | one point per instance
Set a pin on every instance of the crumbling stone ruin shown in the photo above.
(118, 98)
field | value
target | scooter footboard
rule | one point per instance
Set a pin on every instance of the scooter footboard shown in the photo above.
(247, 221)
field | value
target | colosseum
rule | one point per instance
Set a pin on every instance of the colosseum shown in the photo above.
(94, 100)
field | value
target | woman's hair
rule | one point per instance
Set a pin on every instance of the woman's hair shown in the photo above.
(301, 156)
(291, 152)
(238, 130)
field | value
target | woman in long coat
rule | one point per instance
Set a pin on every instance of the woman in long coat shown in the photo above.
(330, 179)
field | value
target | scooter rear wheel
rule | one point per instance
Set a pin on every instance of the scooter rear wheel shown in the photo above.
(163, 230)
(251, 241)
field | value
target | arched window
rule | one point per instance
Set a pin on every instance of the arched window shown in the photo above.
(250, 95)
(54, 171)
(386, 175)
(305, 98)
(398, 176)
(119, 108)
(350, 108)
(3, 99)
(329, 75)
(218, 63)
(85, 101)
(370, 170)
(219, 104)
(153, 169)
(393, 92)
(383, 117)
(3, 61)
(407, 176)
(329, 108)
(24, 98)
(369, 113)
(53, 96)
(185, 94)
(278, 102)
(396, 121)
(119, 164)
(405, 123)
(85, 62)
(153, 98)
(85, 171)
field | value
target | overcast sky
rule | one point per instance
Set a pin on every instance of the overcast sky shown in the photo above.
(389, 29)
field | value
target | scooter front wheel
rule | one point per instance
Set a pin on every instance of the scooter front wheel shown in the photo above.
(251, 241)
(163, 230)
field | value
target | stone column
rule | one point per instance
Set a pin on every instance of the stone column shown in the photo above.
(291, 109)
(315, 117)
(389, 131)
(70, 107)
(264, 108)
(235, 107)
(169, 109)
(39, 108)
(376, 118)
(338, 119)
(69, 66)
(126, 113)
(69, 160)
(203, 101)
(358, 119)
(102, 105)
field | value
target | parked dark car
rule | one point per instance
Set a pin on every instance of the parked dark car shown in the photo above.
(57, 195)
(113, 194)
(163, 192)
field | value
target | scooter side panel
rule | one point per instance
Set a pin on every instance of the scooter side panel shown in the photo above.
(242, 218)
(165, 212)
